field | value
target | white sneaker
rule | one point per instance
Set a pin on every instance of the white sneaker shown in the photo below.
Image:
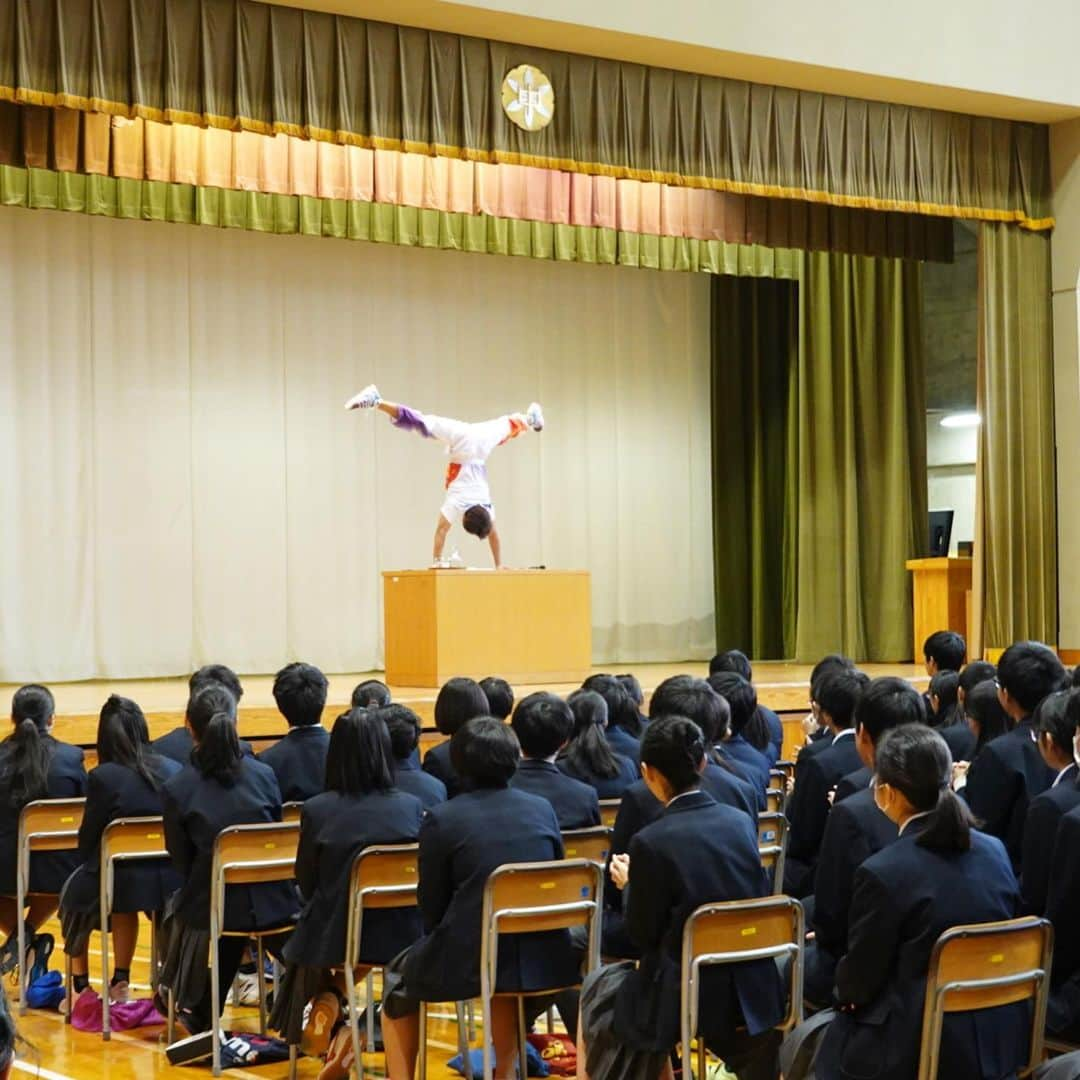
(368, 398)
(246, 989)
(534, 416)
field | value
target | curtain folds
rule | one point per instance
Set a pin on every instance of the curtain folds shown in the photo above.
(243, 65)
(819, 467)
(754, 398)
(1016, 572)
(95, 143)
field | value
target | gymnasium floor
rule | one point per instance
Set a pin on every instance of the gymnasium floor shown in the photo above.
(61, 1053)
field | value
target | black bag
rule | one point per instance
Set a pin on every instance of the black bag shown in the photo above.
(799, 1050)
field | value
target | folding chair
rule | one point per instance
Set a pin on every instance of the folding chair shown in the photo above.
(777, 779)
(124, 840)
(774, 801)
(786, 767)
(772, 830)
(522, 898)
(290, 812)
(593, 844)
(982, 967)
(245, 855)
(609, 811)
(44, 825)
(734, 933)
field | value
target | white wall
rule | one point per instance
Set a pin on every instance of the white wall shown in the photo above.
(950, 461)
(180, 484)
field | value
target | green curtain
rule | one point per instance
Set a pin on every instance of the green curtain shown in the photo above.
(1016, 568)
(754, 382)
(819, 462)
(268, 67)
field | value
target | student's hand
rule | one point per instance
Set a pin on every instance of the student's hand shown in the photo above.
(789, 785)
(810, 935)
(620, 870)
(810, 724)
(959, 773)
(832, 796)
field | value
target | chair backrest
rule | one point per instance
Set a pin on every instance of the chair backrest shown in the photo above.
(47, 825)
(291, 811)
(593, 844)
(737, 931)
(609, 811)
(381, 877)
(251, 855)
(129, 839)
(777, 779)
(524, 898)
(774, 801)
(982, 967)
(772, 830)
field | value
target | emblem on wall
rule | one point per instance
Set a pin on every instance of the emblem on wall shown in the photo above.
(528, 98)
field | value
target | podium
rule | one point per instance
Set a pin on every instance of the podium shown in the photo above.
(529, 626)
(942, 586)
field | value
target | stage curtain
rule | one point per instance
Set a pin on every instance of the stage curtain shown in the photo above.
(244, 65)
(862, 495)
(1016, 571)
(754, 388)
(819, 459)
(180, 483)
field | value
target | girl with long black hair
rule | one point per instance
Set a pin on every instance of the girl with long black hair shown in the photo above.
(126, 783)
(588, 756)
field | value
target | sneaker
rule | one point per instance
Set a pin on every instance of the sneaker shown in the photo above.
(368, 398)
(119, 993)
(245, 989)
(193, 1048)
(324, 1014)
(534, 416)
(340, 1057)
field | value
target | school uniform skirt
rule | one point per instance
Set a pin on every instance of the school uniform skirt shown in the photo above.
(608, 1057)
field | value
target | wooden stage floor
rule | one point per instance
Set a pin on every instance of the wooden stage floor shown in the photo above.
(62, 1053)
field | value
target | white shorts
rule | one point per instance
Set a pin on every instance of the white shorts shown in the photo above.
(455, 505)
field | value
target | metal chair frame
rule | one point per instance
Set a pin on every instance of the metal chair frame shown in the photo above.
(777, 849)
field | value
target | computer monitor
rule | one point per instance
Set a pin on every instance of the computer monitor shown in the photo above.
(940, 532)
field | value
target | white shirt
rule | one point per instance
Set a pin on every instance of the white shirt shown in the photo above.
(914, 817)
(840, 734)
(1061, 775)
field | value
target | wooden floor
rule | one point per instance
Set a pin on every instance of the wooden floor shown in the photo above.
(60, 1052)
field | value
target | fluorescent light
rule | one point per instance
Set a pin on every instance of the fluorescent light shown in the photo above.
(960, 420)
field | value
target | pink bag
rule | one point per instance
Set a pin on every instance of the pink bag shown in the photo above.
(86, 1015)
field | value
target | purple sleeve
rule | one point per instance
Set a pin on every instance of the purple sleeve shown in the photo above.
(410, 420)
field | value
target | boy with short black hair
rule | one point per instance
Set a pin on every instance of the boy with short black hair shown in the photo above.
(944, 650)
(543, 724)
(404, 727)
(500, 696)
(299, 759)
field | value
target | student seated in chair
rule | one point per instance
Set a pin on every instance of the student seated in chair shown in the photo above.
(371, 693)
(360, 808)
(500, 696)
(735, 661)
(177, 744)
(588, 756)
(624, 727)
(947, 715)
(939, 873)
(696, 852)
(33, 765)
(855, 830)
(459, 701)
(219, 787)
(837, 693)
(1055, 724)
(461, 843)
(1010, 771)
(817, 732)
(404, 727)
(126, 783)
(747, 734)
(299, 760)
(542, 723)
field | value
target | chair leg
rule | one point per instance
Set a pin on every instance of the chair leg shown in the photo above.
(155, 967)
(421, 1058)
(68, 996)
(523, 1041)
(20, 915)
(703, 1062)
(170, 1025)
(260, 963)
(549, 1017)
(369, 994)
(292, 1061)
(215, 1008)
(354, 1018)
(485, 1019)
(470, 1019)
(106, 1019)
(462, 1034)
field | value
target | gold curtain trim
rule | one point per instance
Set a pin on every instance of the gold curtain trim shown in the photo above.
(23, 95)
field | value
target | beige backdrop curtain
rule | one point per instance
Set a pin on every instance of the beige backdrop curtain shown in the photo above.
(180, 483)
(1016, 556)
(264, 67)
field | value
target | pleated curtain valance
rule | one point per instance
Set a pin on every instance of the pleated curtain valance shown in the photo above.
(248, 66)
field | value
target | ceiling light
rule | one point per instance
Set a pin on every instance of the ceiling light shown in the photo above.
(960, 420)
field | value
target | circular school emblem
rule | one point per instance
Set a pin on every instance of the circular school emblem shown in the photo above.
(528, 98)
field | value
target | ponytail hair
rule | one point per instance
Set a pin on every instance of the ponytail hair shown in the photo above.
(589, 753)
(622, 712)
(124, 739)
(211, 713)
(675, 747)
(915, 760)
(26, 763)
(945, 686)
